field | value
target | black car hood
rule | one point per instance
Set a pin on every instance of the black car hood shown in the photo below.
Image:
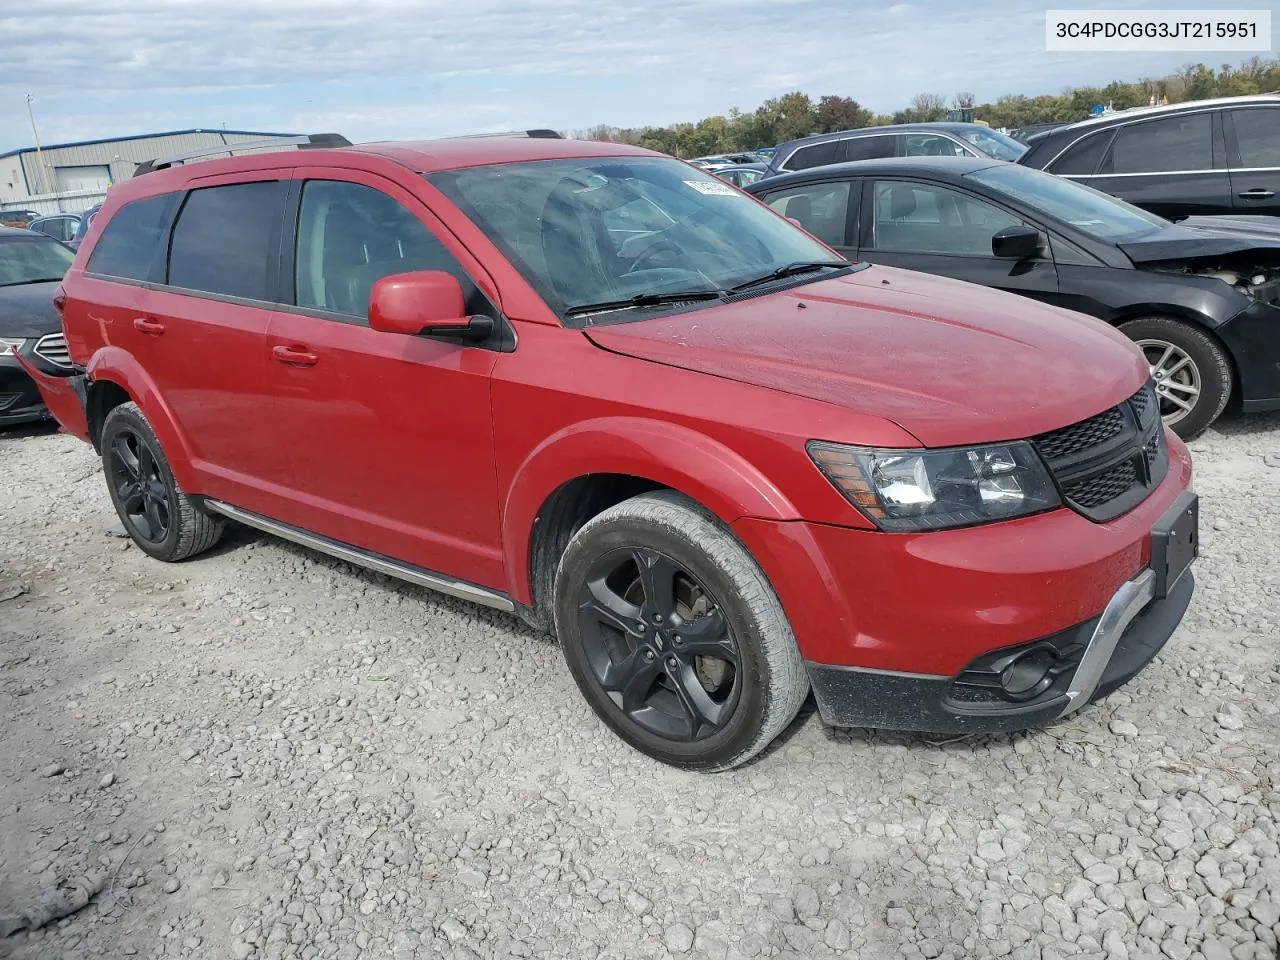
(1198, 237)
(27, 310)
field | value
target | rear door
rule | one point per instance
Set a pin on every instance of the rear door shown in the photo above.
(207, 322)
(1253, 155)
(1173, 166)
(390, 437)
(937, 228)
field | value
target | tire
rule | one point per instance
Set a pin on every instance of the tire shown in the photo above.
(162, 520)
(719, 630)
(1197, 363)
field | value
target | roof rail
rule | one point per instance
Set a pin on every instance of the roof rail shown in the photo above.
(306, 142)
(541, 134)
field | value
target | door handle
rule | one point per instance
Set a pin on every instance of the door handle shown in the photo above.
(295, 356)
(148, 326)
(1257, 193)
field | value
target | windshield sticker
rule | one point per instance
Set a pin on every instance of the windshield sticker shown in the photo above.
(713, 188)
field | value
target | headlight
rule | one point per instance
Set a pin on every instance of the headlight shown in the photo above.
(930, 489)
(9, 347)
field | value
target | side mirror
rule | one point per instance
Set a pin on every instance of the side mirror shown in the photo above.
(424, 302)
(1016, 243)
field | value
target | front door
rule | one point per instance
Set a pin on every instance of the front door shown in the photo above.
(919, 225)
(1253, 153)
(390, 436)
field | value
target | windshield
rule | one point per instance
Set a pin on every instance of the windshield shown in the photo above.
(602, 229)
(1091, 211)
(994, 144)
(32, 259)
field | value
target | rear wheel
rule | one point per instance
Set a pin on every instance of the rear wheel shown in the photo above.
(161, 519)
(674, 635)
(1191, 372)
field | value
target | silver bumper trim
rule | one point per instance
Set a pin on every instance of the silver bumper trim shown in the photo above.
(1122, 609)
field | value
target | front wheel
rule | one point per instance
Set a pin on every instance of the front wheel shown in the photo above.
(1190, 370)
(674, 635)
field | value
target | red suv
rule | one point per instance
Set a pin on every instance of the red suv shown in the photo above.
(611, 393)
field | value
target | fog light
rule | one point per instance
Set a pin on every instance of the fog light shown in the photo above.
(1026, 675)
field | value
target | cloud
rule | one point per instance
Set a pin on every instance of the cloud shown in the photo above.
(399, 68)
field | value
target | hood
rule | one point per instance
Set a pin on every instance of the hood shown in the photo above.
(27, 310)
(950, 362)
(1199, 237)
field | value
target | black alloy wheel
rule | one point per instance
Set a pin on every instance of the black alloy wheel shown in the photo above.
(139, 486)
(162, 520)
(659, 644)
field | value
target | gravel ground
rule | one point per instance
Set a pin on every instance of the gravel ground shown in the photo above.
(264, 753)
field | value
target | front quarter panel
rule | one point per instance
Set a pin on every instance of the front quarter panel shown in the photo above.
(564, 409)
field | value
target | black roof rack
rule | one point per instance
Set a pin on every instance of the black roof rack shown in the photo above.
(307, 142)
(541, 134)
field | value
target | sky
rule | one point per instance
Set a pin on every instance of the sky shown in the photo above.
(404, 69)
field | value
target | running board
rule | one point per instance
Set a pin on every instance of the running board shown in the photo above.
(362, 558)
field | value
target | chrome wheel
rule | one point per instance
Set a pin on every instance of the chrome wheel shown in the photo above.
(1176, 376)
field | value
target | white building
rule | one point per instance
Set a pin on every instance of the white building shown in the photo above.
(74, 176)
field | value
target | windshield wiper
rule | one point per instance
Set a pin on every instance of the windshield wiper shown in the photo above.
(790, 270)
(644, 300)
(23, 283)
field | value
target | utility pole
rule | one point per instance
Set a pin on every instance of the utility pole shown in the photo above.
(44, 171)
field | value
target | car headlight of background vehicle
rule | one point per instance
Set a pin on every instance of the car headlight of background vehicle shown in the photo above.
(8, 347)
(902, 490)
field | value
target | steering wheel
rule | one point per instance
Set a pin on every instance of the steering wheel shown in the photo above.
(653, 252)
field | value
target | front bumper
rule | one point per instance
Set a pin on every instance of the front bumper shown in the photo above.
(1253, 339)
(20, 401)
(1105, 652)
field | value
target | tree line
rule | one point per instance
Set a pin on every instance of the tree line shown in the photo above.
(797, 114)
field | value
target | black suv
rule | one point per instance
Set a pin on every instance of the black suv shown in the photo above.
(1206, 157)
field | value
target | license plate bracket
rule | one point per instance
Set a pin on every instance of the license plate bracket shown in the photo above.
(1175, 542)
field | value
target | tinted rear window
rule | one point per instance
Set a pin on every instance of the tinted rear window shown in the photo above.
(871, 148)
(131, 242)
(1174, 143)
(818, 155)
(225, 239)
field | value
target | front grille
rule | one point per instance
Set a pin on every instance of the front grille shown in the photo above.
(54, 349)
(1106, 465)
(1082, 435)
(1102, 488)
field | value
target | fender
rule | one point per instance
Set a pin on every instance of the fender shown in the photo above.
(116, 365)
(677, 457)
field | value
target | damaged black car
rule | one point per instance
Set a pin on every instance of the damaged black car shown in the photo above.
(31, 266)
(1200, 297)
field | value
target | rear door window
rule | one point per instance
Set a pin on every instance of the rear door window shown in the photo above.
(871, 148)
(1166, 145)
(1257, 136)
(132, 243)
(227, 238)
(821, 208)
(817, 155)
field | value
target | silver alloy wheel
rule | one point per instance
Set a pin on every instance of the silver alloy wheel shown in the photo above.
(1177, 378)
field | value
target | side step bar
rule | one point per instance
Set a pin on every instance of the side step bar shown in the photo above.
(363, 558)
